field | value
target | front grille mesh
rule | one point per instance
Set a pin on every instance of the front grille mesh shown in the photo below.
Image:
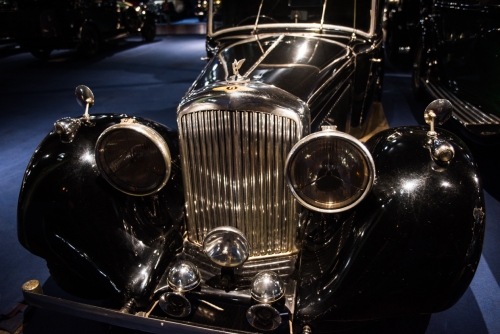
(233, 169)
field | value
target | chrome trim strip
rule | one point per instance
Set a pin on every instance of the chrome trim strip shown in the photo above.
(464, 111)
(244, 96)
(315, 26)
(339, 70)
(261, 59)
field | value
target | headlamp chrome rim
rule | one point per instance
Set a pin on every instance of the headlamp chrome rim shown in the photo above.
(149, 133)
(330, 133)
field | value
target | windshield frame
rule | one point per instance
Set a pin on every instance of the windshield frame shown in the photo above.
(312, 27)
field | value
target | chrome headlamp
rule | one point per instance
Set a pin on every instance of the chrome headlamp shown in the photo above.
(226, 246)
(133, 158)
(329, 171)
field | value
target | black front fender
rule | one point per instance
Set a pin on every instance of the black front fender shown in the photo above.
(97, 240)
(411, 247)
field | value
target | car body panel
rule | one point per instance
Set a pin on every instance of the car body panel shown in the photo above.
(409, 247)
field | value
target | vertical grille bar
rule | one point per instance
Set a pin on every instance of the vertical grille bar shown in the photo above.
(233, 165)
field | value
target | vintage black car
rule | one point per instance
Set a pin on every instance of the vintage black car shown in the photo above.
(401, 22)
(201, 9)
(45, 25)
(457, 57)
(261, 212)
(7, 9)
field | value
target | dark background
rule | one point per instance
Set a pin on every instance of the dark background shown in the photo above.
(149, 80)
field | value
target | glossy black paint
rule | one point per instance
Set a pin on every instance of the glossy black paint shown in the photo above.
(334, 74)
(98, 241)
(411, 247)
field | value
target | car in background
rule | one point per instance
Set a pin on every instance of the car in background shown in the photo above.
(201, 10)
(45, 25)
(454, 50)
(401, 19)
(457, 57)
(7, 9)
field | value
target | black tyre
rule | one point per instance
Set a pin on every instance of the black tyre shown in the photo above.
(89, 42)
(148, 31)
(41, 53)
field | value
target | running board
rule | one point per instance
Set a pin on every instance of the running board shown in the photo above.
(471, 117)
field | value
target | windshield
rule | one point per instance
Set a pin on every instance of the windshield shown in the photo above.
(238, 13)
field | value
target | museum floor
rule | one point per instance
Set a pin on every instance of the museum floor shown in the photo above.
(149, 80)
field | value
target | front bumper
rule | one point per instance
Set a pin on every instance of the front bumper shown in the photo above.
(142, 321)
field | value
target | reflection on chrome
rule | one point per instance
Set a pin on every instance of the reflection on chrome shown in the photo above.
(183, 276)
(226, 246)
(264, 317)
(233, 166)
(267, 287)
(175, 304)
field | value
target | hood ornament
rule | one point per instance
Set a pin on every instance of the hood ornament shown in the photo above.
(236, 71)
(237, 65)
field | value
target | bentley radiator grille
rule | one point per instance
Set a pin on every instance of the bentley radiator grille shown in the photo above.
(233, 169)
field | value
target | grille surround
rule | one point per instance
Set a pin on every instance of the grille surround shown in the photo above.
(233, 170)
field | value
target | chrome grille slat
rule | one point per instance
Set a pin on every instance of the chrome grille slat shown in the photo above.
(233, 163)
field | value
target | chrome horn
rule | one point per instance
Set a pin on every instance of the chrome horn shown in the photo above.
(266, 288)
(175, 304)
(264, 317)
(183, 276)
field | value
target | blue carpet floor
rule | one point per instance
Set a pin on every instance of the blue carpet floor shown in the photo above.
(149, 80)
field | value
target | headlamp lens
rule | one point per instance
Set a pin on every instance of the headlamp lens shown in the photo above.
(133, 158)
(330, 172)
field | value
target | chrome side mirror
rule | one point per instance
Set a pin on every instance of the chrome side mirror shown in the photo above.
(440, 110)
(85, 98)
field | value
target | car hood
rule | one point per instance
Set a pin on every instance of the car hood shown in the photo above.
(299, 64)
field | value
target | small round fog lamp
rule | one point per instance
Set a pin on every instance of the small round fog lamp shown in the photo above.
(183, 276)
(267, 287)
(226, 246)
